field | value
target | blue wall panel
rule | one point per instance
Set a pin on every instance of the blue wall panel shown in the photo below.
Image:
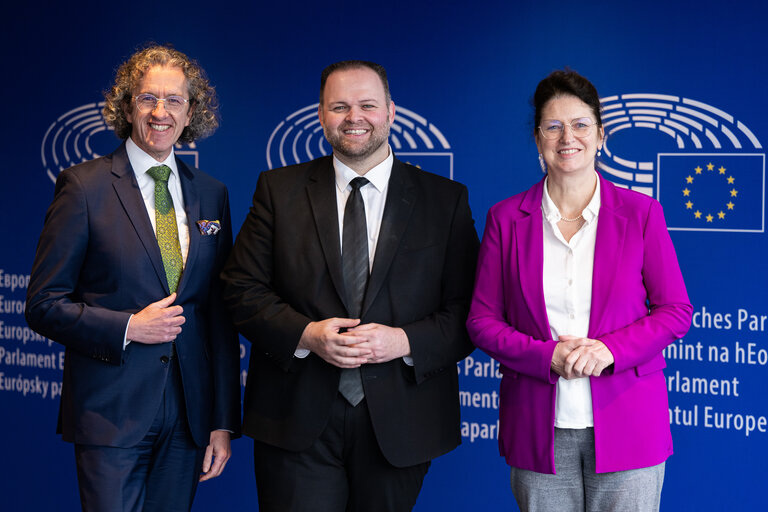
(683, 86)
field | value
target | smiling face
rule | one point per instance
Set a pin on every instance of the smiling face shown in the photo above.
(569, 154)
(356, 116)
(157, 131)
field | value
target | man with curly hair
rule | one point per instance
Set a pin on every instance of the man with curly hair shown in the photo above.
(126, 278)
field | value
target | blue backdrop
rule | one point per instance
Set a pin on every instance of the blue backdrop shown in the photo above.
(683, 85)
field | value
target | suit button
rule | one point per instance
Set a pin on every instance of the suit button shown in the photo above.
(164, 359)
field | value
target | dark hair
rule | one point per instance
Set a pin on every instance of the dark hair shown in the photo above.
(202, 96)
(355, 64)
(565, 82)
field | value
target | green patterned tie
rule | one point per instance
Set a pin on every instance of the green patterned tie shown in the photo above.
(167, 230)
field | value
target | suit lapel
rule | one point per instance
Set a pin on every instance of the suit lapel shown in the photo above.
(609, 246)
(321, 191)
(192, 210)
(128, 193)
(529, 248)
(401, 197)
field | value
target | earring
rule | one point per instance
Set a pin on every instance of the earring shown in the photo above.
(542, 164)
(599, 152)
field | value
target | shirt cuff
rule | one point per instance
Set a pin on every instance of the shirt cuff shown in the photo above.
(126, 341)
(408, 360)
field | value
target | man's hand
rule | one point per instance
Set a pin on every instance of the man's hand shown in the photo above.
(217, 454)
(576, 357)
(338, 348)
(157, 323)
(383, 342)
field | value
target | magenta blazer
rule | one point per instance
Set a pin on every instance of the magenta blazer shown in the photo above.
(639, 306)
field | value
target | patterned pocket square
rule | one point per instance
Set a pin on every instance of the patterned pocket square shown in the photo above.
(209, 227)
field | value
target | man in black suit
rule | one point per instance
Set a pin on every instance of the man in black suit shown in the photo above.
(126, 278)
(352, 276)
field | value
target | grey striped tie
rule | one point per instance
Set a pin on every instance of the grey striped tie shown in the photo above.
(354, 261)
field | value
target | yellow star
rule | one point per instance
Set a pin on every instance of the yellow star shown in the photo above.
(722, 170)
(731, 179)
(697, 214)
(698, 169)
(709, 218)
(689, 179)
(710, 166)
(734, 192)
(721, 214)
(689, 205)
(686, 192)
(730, 205)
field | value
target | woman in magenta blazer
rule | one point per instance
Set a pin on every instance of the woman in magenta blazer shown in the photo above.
(578, 291)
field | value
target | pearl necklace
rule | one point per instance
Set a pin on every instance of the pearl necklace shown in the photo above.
(566, 219)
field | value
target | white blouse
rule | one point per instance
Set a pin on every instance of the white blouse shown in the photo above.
(568, 298)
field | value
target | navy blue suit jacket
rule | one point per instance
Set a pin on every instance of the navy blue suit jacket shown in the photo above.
(98, 262)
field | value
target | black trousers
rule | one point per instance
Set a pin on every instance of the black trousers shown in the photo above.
(343, 471)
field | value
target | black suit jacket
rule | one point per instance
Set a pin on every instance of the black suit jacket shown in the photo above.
(98, 262)
(285, 271)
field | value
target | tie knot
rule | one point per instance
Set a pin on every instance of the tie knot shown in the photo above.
(358, 183)
(159, 172)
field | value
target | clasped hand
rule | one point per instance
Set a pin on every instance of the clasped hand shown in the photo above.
(576, 357)
(160, 322)
(343, 342)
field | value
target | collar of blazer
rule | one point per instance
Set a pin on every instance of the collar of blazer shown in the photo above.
(129, 195)
(401, 197)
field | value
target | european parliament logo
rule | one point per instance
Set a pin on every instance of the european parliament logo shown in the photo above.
(702, 165)
(81, 134)
(299, 138)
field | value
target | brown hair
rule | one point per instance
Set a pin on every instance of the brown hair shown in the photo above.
(202, 96)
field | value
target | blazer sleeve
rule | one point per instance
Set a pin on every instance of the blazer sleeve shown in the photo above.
(225, 346)
(440, 339)
(53, 308)
(488, 323)
(258, 312)
(670, 310)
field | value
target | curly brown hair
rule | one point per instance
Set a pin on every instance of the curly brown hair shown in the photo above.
(202, 96)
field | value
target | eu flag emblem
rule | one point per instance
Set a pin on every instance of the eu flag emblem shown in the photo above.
(712, 192)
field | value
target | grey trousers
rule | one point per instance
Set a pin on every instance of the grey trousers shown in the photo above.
(576, 487)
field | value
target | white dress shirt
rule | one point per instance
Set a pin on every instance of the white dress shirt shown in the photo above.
(141, 162)
(568, 297)
(374, 198)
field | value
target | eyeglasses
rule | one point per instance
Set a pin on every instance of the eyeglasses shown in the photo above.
(148, 102)
(553, 129)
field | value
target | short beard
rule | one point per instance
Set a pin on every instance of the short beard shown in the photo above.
(357, 152)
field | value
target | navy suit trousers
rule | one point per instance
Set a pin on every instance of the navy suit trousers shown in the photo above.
(140, 478)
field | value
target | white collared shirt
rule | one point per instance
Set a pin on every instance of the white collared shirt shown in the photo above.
(374, 197)
(568, 297)
(141, 162)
